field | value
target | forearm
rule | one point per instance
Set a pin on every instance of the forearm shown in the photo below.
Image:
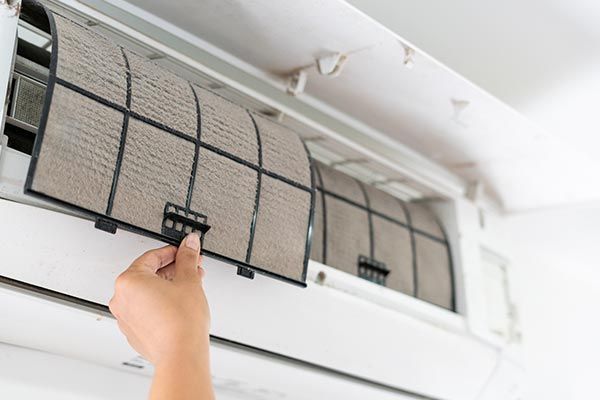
(161, 307)
(183, 377)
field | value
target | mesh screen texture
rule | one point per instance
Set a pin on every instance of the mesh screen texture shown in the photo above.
(120, 137)
(222, 179)
(339, 184)
(281, 151)
(434, 277)
(347, 234)
(154, 171)
(392, 246)
(161, 96)
(353, 219)
(90, 61)
(80, 151)
(423, 220)
(227, 126)
(29, 96)
(281, 220)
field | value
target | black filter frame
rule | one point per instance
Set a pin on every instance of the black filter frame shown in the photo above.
(109, 224)
(364, 260)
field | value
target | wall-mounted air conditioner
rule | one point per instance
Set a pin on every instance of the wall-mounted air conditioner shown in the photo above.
(98, 135)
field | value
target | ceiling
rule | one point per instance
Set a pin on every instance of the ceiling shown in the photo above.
(539, 56)
(520, 54)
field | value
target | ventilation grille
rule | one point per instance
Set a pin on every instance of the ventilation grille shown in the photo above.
(27, 98)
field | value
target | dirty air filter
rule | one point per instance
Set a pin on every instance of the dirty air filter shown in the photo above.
(366, 232)
(140, 148)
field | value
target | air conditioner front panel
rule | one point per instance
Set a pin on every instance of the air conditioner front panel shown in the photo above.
(360, 329)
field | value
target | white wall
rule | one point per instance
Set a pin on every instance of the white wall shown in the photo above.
(556, 255)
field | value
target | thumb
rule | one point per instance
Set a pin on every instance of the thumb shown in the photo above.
(186, 261)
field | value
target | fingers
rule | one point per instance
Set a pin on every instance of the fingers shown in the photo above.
(188, 256)
(153, 260)
(112, 306)
(172, 263)
(167, 273)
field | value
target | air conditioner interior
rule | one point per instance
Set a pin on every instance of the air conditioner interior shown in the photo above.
(366, 232)
(399, 243)
(27, 88)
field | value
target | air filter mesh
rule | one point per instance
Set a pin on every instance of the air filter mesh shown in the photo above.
(364, 231)
(126, 140)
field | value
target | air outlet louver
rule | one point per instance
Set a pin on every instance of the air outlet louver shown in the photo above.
(141, 148)
(366, 232)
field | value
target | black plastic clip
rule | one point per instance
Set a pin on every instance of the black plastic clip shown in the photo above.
(179, 221)
(245, 272)
(372, 270)
(105, 225)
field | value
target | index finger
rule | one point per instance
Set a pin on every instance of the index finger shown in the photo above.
(153, 260)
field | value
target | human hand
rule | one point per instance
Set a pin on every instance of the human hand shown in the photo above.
(160, 306)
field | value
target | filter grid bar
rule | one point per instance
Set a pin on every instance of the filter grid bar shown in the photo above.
(123, 140)
(258, 187)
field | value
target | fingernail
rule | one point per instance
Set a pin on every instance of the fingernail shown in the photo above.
(192, 241)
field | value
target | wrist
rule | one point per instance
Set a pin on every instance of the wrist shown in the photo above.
(183, 374)
(184, 354)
